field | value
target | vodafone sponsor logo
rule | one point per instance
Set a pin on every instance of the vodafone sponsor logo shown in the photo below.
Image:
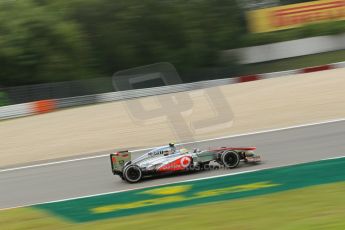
(176, 165)
(185, 161)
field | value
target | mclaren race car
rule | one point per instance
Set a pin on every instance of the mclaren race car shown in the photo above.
(168, 159)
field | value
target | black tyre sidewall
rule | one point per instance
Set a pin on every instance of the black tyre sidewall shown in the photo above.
(125, 171)
(234, 154)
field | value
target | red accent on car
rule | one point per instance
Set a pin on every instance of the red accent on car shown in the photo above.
(113, 159)
(177, 165)
(122, 153)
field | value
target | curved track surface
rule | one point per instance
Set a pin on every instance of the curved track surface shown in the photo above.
(93, 176)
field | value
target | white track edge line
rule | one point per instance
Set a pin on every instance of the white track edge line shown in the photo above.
(170, 183)
(200, 141)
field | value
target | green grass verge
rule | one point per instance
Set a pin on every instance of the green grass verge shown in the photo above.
(317, 207)
(294, 63)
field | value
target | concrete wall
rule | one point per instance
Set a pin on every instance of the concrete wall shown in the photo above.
(288, 49)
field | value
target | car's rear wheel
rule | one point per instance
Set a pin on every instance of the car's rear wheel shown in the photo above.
(121, 176)
(132, 173)
(230, 159)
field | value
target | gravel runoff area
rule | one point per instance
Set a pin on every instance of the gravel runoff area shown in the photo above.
(248, 107)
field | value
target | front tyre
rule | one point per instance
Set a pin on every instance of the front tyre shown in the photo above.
(132, 173)
(230, 159)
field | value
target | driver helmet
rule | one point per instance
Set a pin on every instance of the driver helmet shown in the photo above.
(172, 147)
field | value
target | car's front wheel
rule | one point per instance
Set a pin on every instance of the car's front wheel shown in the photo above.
(230, 159)
(132, 173)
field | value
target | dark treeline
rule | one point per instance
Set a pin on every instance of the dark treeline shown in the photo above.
(48, 41)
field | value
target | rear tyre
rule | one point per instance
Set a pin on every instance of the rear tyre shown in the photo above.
(132, 173)
(230, 159)
(121, 176)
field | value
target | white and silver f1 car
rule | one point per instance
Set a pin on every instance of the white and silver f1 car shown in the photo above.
(168, 159)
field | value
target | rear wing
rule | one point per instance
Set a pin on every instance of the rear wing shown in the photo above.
(118, 160)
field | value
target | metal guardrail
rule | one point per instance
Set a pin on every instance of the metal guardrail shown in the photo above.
(25, 109)
(13, 111)
(136, 93)
(77, 101)
(66, 89)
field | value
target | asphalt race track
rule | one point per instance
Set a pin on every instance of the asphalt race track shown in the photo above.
(93, 176)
